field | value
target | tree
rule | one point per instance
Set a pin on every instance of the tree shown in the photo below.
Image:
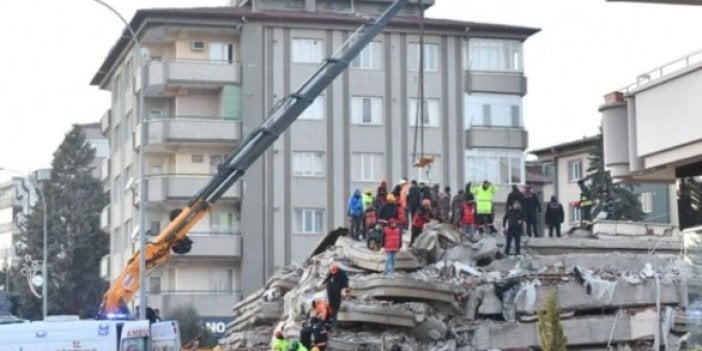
(75, 243)
(550, 329)
(617, 200)
(191, 327)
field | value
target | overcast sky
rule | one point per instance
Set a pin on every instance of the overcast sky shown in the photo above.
(586, 48)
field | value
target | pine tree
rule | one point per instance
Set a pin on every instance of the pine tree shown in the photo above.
(550, 330)
(618, 200)
(75, 244)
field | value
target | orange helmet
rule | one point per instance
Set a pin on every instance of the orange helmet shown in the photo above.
(426, 203)
(390, 198)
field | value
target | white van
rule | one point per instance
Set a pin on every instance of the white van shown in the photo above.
(89, 335)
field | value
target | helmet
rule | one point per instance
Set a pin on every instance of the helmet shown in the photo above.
(294, 345)
(390, 198)
(334, 268)
(426, 203)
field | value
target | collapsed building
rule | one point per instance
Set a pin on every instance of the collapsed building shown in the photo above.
(621, 286)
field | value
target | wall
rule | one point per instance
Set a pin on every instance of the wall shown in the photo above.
(569, 191)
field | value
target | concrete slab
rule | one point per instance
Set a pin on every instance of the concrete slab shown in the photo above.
(617, 228)
(389, 315)
(359, 255)
(402, 286)
(550, 246)
(614, 261)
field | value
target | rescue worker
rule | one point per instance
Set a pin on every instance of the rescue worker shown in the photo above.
(336, 282)
(513, 222)
(355, 211)
(468, 217)
(585, 204)
(443, 205)
(457, 208)
(368, 198)
(532, 209)
(514, 195)
(381, 193)
(319, 331)
(278, 342)
(554, 216)
(484, 196)
(404, 192)
(297, 346)
(306, 335)
(393, 242)
(370, 217)
(414, 198)
(422, 217)
(389, 209)
(321, 310)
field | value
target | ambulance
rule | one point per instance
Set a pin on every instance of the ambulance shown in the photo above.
(90, 335)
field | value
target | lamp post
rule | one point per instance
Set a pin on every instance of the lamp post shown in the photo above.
(143, 63)
(44, 271)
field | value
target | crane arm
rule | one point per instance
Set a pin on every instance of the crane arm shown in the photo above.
(284, 113)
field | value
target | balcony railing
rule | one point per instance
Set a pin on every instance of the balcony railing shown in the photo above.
(496, 137)
(167, 73)
(175, 130)
(182, 186)
(667, 70)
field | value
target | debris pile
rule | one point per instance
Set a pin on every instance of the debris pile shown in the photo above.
(620, 287)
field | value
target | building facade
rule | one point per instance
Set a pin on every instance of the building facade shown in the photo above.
(215, 73)
(16, 199)
(564, 164)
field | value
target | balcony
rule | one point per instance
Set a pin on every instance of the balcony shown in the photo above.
(496, 137)
(215, 245)
(202, 74)
(173, 131)
(181, 187)
(495, 82)
(10, 201)
(105, 218)
(207, 302)
(105, 170)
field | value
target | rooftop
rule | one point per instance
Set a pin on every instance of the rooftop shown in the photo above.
(567, 146)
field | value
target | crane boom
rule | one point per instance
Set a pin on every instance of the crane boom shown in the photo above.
(285, 112)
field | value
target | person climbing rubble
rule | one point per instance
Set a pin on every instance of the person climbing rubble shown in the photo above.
(422, 217)
(320, 330)
(393, 241)
(306, 335)
(554, 216)
(443, 205)
(355, 212)
(336, 282)
(513, 222)
(296, 345)
(484, 196)
(278, 342)
(389, 209)
(532, 209)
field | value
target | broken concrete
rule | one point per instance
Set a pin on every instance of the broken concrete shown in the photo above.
(550, 246)
(633, 229)
(402, 286)
(359, 255)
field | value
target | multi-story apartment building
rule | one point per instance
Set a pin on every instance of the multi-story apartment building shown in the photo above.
(215, 72)
(563, 165)
(16, 198)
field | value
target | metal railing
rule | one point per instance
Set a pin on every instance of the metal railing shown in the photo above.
(193, 118)
(665, 70)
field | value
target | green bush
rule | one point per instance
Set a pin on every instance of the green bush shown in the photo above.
(550, 329)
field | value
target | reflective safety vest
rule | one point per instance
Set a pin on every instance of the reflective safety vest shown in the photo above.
(585, 201)
(483, 198)
(279, 344)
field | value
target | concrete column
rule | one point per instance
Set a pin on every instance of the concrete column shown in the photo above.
(616, 138)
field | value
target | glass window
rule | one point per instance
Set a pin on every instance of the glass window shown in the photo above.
(548, 171)
(646, 200)
(367, 167)
(432, 112)
(309, 221)
(155, 227)
(497, 166)
(431, 57)
(316, 110)
(574, 213)
(197, 158)
(575, 170)
(370, 57)
(366, 110)
(221, 52)
(221, 280)
(308, 164)
(307, 50)
(492, 110)
(494, 55)
(154, 285)
(134, 344)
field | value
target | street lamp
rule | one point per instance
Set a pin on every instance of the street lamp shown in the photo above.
(143, 55)
(33, 182)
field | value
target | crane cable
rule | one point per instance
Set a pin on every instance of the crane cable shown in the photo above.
(422, 161)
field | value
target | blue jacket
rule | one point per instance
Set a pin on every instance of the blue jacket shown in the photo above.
(356, 205)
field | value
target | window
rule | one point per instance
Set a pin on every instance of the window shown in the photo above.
(117, 138)
(221, 52)
(154, 285)
(215, 161)
(494, 55)
(367, 110)
(367, 167)
(431, 57)
(197, 158)
(646, 200)
(497, 166)
(574, 213)
(575, 170)
(430, 174)
(307, 50)
(155, 227)
(432, 112)
(221, 280)
(316, 110)
(309, 221)
(548, 171)
(492, 110)
(222, 221)
(308, 164)
(155, 113)
(127, 178)
(370, 57)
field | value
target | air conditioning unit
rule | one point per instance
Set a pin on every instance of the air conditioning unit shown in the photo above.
(197, 46)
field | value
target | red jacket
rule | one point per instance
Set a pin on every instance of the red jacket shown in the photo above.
(401, 215)
(422, 217)
(468, 213)
(393, 239)
(370, 218)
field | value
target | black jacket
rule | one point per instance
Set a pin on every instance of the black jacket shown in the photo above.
(513, 197)
(514, 221)
(531, 204)
(554, 213)
(414, 198)
(388, 211)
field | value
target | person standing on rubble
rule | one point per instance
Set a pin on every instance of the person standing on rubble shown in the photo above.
(368, 199)
(306, 335)
(278, 342)
(414, 198)
(296, 345)
(336, 282)
(457, 208)
(389, 209)
(381, 193)
(513, 222)
(514, 195)
(355, 211)
(422, 217)
(532, 209)
(393, 241)
(585, 204)
(468, 217)
(443, 205)
(484, 196)
(554, 217)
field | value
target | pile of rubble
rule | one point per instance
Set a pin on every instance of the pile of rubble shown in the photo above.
(620, 286)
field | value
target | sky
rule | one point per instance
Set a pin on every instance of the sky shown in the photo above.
(586, 48)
